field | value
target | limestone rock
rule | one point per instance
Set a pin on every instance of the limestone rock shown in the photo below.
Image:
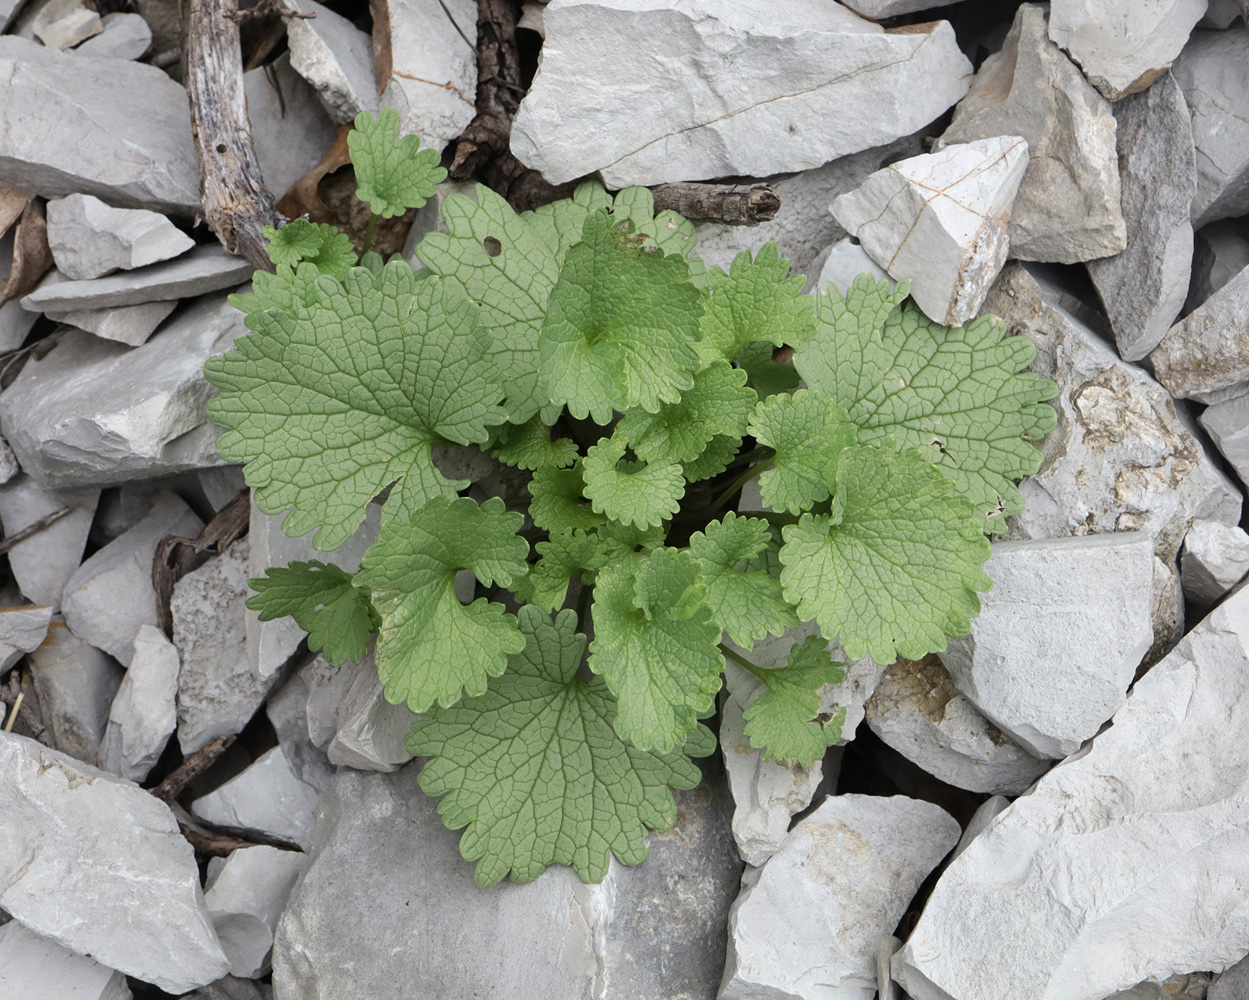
(62, 24)
(125, 36)
(76, 684)
(122, 129)
(1205, 356)
(1144, 287)
(1168, 613)
(940, 219)
(1125, 863)
(111, 594)
(1067, 208)
(22, 630)
(92, 413)
(777, 105)
(89, 238)
(878, 10)
(1058, 638)
(369, 730)
(1233, 984)
(1228, 425)
(290, 128)
(1220, 252)
(1221, 13)
(917, 710)
(34, 966)
(98, 865)
(336, 58)
(287, 711)
(1123, 47)
(1215, 558)
(43, 564)
(1218, 98)
(1192, 986)
(130, 325)
(433, 66)
(144, 712)
(648, 933)
(837, 266)
(246, 893)
(980, 821)
(268, 797)
(327, 684)
(809, 925)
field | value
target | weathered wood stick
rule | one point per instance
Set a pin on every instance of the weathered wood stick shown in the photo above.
(735, 204)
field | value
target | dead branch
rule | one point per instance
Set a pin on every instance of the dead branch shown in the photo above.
(191, 768)
(33, 529)
(735, 204)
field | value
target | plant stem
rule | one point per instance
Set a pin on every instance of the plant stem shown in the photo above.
(753, 668)
(746, 457)
(737, 484)
(369, 232)
(583, 604)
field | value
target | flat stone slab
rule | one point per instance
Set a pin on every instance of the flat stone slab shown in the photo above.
(43, 564)
(335, 57)
(34, 966)
(1205, 356)
(129, 325)
(144, 711)
(1228, 425)
(89, 238)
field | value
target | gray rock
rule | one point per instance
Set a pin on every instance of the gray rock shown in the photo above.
(1144, 287)
(15, 322)
(89, 238)
(34, 966)
(231, 988)
(122, 129)
(267, 798)
(917, 710)
(1220, 252)
(336, 58)
(1205, 356)
(839, 265)
(76, 684)
(22, 629)
(980, 821)
(648, 933)
(940, 219)
(1168, 613)
(1123, 47)
(111, 594)
(1228, 425)
(98, 865)
(1221, 14)
(246, 893)
(1067, 208)
(1215, 558)
(9, 469)
(433, 66)
(1191, 986)
(130, 325)
(220, 485)
(43, 564)
(1233, 984)
(878, 10)
(327, 685)
(8, 11)
(1125, 863)
(62, 24)
(287, 710)
(125, 36)
(218, 691)
(144, 712)
(92, 413)
(370, 730)
(1219, 102)
(777, 105)
(808, 927)
(1058, 638)
(290, 128)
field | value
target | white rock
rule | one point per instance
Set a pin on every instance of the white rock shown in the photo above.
(43, 564)
(1205, 356)
(1125, 863)
(268, 798)
(34, 966)
(62, 24)
(1123, 47)
(98, 865)
(1215, 558)
(89, 238)
(1220, 252)
(8, 11)
(809, 927)
(111, 594)
(980, 821)
(336, 58)
(369, 730)
(246, 893)
(21, 631)
(839, 265)
(940, 219)
(125, 36)
(290, 128)
(878, 10)
(121, 129)
(432, 77)
(76, 684)
(1144, 287)
(1228, 425)
(917, 710)
(1219, 101)
(776, 105)
(144, 712)
(1067, 208)
(1192, 986)
(1058, 638)
(130, 325)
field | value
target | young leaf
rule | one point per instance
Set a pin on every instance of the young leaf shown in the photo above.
(808, 432)
(558, 503)
(324, 602)
(536, 773)
(765, 376)
(564, 555)
(784, 720)
(431, 647)
(896, 567)
(342, 391)
(755, 301)
(620, 326)
(655, 645)
(529, 446)
(747, 604)
(392, 174)
(720, 451)
(960, 393)
(636, 493)
(321, 245)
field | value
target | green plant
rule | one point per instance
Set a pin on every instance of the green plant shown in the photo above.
(583, 345)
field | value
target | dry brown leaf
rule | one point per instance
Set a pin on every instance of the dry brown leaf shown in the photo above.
(302, 198)
(31, 256)
(12, 204)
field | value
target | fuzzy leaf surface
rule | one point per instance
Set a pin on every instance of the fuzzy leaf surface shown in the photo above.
(755, 300)
(784, 720)
(324, 602)
(808, 432)
(638, 493)
(392, 174)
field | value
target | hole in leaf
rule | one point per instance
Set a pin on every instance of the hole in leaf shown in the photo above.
(492, 246)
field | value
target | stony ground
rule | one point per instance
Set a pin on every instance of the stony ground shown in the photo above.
(1056, 808)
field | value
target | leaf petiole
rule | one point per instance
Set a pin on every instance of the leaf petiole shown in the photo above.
(369, 232)
(758, 671)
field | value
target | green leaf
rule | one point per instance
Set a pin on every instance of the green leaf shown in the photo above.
(808, 432)
(960, 393)
(718, 403)
(559, 224)
(655, 645)
(747, 604)
(896, 567)
(765, 376)
(529, 446)
(639, 493)
(564, 555)
(784, 721)
(321, 245)
(324, 602)
(536, 773)
(720, 451)
(626, 543)
(431, 647)
(755, 301)
(620, 325)
(342, 391)
(558, 500)
(392, 174)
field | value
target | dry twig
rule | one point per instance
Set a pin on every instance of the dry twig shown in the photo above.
(191, 768)
(33, 529)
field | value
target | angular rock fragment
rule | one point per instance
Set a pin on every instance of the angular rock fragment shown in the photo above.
(1232, 984)
(369, 730)
(89, 238)
(809, 924)
(34, 966)
(76, 684)
(268, 798)
(290, 128)
(1058, 638)
(1214, 559)
(43, 564)
(130, 325)
(62, 24)
(878, 10)
(125, 36)
(246, 893)
(1221, 13)
(980, 821)
(1067, 208)
(1228, 425)
(98, 865)
(287, 711)
(123, 129)
(21, 631)
(839, 265)
(144, 712)
(232, 988)
(777, 105)
(336, 58)
(1125, 863)
(940, 219)
(1220, 252)
(1168, 613)
(1144, 287)
(1205, 356)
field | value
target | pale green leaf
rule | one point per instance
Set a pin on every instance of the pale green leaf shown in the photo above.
(755, 301)
(808, 432)
(785, 721)
(392, 174)
(638, 493)
(559, 502)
